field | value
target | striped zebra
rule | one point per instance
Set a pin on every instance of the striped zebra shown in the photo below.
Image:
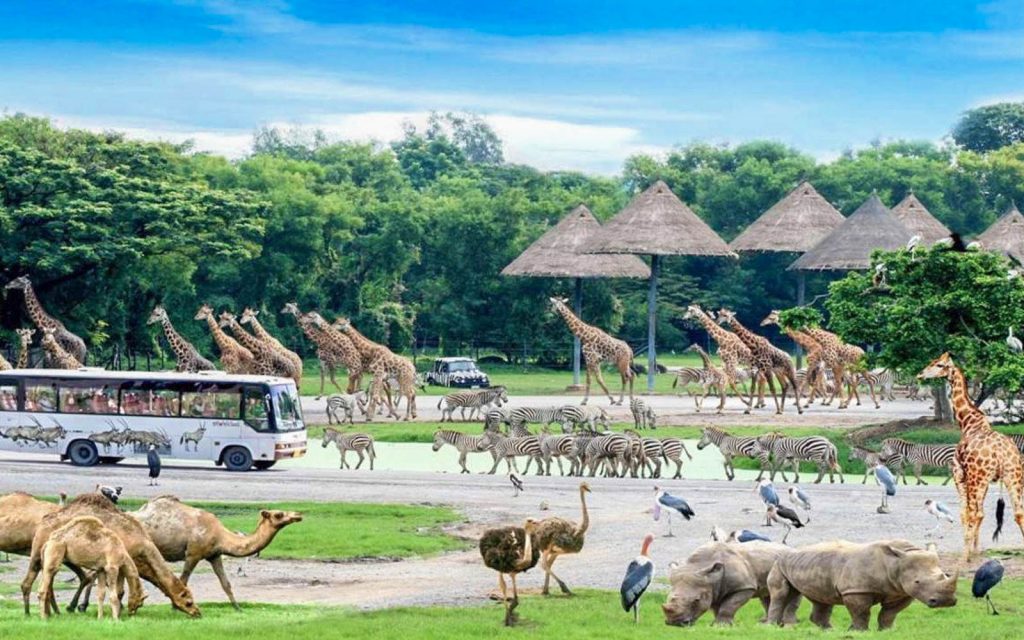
(508, 449)
(731, 446)
(557, 446)
(476, 401)
(711, 377)
(578, 455)
(643, 414)
(646, 454)
(1018, 439)
(494, 418)
(358, 442)
(577, 416)
(868, 457)
(463, 443)
(543, 416)
(613, 450)
(898, 451)
(885, 381)
(347, 402)
(816, 449)
(671, 450)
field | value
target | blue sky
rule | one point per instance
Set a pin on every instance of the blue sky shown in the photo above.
(569, 85)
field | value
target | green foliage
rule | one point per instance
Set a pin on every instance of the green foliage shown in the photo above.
(991, 127)
(800, 318)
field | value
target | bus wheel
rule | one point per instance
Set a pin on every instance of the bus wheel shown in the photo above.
(237, 459)
(110, 459)
(262, 465)
(83, 453)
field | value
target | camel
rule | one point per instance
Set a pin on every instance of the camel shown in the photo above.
(509, 551)
(20, 514)
(184, 533)
(558, 536)
(137, 542)
(86, 543)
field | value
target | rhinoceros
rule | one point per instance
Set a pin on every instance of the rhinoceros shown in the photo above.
(858, 576)
(722, 577)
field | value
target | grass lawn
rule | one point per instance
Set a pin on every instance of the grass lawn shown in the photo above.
(591, 614)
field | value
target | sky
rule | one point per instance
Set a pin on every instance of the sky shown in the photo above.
(567, 84)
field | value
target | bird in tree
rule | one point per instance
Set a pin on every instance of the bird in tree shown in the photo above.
(510, 551)
(878, 279)
(885, 478)
(786, 517)
(800, 498)
(939, 511)
(638, 577)
(986, 577)
(912, 245)
(670, 503)
(1014, 343)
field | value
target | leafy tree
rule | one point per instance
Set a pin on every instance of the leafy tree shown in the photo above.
(991, 127)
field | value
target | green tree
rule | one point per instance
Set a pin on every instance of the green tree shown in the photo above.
(990, 127)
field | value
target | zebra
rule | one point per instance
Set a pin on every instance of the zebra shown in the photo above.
(731, 446)
(816, 449)
(463, 443)
(578, 454)
(710, 377)
(345, 442)
(870, 459)
(643, 414)
(646, 455)
(543, 416)
(557, 446)
(1018, 439)
(574, 416)
(671, 450)
(347, 402)
(885, 381)
(902, 452)
(508, 449)
(477, 400)
(494, 418)
(613, 449)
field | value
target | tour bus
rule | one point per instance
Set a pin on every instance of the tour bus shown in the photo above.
(91, 416)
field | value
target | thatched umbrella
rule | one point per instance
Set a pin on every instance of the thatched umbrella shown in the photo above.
(557, 254)
(1006, 235)
(794, 224)
(872, 226)
(915, 217)
(657, 223)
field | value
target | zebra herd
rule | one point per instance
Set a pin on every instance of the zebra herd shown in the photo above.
(773, 451)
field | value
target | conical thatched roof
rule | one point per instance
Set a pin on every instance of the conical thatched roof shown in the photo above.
(871, 227)
(919, 220)
(656, 222)
(556, 254)
(796, 223)
(1006, 235)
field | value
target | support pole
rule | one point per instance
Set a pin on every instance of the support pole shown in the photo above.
(652, 296)
(800, 293)
(577, 307)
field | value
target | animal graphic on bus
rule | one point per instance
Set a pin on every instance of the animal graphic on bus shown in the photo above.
(43, 437)
(137, 439)
(194, 437)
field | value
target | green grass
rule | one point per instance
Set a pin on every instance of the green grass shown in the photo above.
(591, 614)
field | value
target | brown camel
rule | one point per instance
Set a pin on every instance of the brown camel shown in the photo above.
(87, 544)
(144, 553)
(184, 533)
(509, 551)
(20, 514)
(558, 536)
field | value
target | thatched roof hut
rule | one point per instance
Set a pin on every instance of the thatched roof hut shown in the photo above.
(657, 223)
(872, 226)
(915, 217)
(557, 253)
(795, 224)
(1006, 235)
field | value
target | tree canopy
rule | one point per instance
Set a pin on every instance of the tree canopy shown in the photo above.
(991, 127)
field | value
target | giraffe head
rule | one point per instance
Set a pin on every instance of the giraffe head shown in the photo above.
(341, 324)
(771, 318)
(941, 367)
(205, 311)
(558, 303)
(725, 316)
(248, 315)
(48, 333)
(313, 318)
(19, 283)
(292, 308)
(26, 335)
(692, 311)
(159, 315)
(226, 318)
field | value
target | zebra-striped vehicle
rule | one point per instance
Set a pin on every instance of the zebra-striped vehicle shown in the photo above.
(896, 451)
(816, 449)
(732, 446)
(463, 443)
(347, 402)
(508, 449)
(475, 401)
(358, 442)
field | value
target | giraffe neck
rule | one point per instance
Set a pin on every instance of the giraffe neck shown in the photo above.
(23, 354)
(963, 408)
(361, 342)
(718, 333)
(223, 340)
(35, 309)
(258, 330)
(745, 334)
(802, 339)
(174, 338)
(576, 326)
(318, 337)
(248, 340)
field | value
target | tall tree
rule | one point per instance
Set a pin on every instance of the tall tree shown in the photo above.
(990, 127)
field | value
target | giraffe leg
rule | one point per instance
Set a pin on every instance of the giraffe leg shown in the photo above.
(972, 516)
(770, 379)
(600, 381)
(1013, 480)
(837, 375)
(586, 386)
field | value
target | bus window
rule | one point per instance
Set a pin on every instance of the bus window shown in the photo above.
(212, 404)
(41, 397)
(87, 398)
(256, 409)
(149, 399)
(9, 397)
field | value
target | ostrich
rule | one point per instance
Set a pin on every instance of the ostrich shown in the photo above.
(558, 536)
(510, 550)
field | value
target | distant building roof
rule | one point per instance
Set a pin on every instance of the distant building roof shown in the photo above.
(1006, 235)
(916, 217)
(795, 223)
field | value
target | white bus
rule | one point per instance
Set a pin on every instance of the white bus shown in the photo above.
(91, 416)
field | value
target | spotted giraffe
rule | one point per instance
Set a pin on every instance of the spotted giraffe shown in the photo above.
(334, 349)
(779, 364)
(266, 361)
(713, 376)
(234, 358)
(24, 347)
(831, 357)
(731, 350)
(853, 356)
(295, 362)
(597, 347)
(188, 358)
(56, 355)
(4, 364)
(811, 348)
(383, 365)
(68, 341)
(983, 456)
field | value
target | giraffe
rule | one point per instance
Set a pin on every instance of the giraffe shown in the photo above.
(731, 350)
(983, 456)
(56, 355)
(383, 365)
(25, 346)
(295, 362)
(811, 347)
(266, 361)
(4, 364)
(188, 358)
(69, 341)
(831, 357)
(334, 349)
(714, 376)
(777, 362)
(234, 358)
(597, 347)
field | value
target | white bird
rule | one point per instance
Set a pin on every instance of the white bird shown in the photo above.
(912, 246)
(800, 498)
(1014, 342)
(638, 577)
(885, 478)
(878, 280)
(944, 242)
(974, 246)
(671, 503)
(939, 511)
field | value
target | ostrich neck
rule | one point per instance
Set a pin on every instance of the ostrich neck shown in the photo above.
(240, 546)
(527, 557)
(585, 522)
(963, 408)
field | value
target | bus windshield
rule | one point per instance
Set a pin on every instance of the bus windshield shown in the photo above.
(287, 408)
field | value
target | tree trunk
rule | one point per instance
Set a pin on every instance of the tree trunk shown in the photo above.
(943, 408)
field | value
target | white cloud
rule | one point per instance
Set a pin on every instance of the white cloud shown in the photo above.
(229, 143)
